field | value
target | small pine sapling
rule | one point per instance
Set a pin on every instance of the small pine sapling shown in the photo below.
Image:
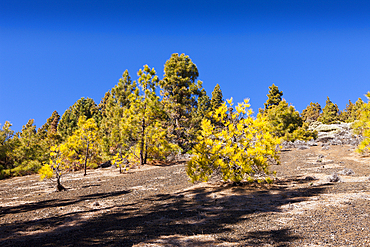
(55, 167)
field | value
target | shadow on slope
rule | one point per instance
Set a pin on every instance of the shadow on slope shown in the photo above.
(198, 211)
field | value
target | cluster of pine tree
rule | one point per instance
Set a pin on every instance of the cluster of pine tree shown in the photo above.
(331, 114)
(137, 121)
(148, 119)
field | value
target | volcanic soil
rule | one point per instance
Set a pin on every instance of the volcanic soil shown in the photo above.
(156, 205)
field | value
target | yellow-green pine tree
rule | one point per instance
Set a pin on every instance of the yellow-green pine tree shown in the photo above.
(362, 127)
(240, 150)
(82, 145)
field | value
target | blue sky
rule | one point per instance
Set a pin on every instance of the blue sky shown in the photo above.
(54, 52)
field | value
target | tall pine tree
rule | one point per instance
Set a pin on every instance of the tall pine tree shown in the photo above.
(180, 92)
(330, 113)
(274, 97)
(312, 112)
(217, 99)
(84, 107)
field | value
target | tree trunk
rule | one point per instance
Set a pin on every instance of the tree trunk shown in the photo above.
(60, 187)
(87, 155)
(146, 152)
(142, 142)
(142, 160)
(120, 164)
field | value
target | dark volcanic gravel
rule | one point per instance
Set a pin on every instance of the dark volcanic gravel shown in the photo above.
(158, 206)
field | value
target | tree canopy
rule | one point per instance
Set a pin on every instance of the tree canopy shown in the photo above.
(330, 113)
(274, 97)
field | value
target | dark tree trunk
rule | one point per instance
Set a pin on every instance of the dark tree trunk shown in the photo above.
(87, 155)
(60, 187)
(120, 165)
(146, 153)
(142, 142)
(142, 160)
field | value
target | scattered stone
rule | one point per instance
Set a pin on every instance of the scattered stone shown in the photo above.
(302, 147)
(334, 178)
(347, 172)
(312, 143)
(96, 204)
(328, 134)
(170, 158)
(335, 134)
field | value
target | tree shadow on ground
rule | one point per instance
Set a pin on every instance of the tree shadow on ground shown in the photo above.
(56, 203)
(199, 211)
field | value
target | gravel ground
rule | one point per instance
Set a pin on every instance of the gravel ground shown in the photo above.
(158, 206)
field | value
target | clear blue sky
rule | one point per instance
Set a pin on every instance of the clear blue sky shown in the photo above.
(54, 52)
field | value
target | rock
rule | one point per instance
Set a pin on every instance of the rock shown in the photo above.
(347, 172)
(335, 134)
(178, 157)
(302, 147)
(287, 145)
(170, 158)
(311, 143)
(96, 204)
(334, 178)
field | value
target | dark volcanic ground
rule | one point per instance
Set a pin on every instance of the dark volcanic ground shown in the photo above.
(157, 206)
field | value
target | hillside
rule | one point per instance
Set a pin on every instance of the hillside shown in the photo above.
(157, 206)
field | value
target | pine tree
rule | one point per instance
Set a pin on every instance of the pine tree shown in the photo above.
(330, 113)
(359, 105)
(50, 126)
(311, 113)
(217, 99)
(285, 122)
(113, 105)
(134, 130)
(7, 146)
(56, 166)
(83, 107)
(48, 136)
(274, 97)
(82, 145)
(362, 127)
(239, 151)
(152, 142)
(180, 92)
(148, 81)
(28, 150)
(122, 91)
(352, 111)
(103, 103)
